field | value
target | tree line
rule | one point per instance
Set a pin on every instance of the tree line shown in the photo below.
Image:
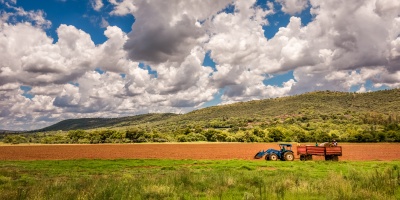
(289, 132)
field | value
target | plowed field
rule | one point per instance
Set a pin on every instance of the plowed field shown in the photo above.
(244, 151)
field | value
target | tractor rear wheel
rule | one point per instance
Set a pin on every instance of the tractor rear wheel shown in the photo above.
(288, 156)
(273, 157)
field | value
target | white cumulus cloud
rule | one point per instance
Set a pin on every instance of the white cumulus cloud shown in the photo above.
(158, 66)
(293, 6)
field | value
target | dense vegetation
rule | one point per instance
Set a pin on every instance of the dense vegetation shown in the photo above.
(316, 116)
(198, 179)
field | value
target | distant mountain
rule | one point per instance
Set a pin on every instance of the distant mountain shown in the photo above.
(91, 123)
(312, 105)
(8, 131)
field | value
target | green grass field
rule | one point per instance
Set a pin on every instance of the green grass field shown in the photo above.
(198, 179)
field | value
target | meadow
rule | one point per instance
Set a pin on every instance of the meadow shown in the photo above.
(198, 179)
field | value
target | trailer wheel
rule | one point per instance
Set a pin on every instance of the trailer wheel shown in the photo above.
(328, 157)
(273, 157)
(302, 157)
(335, 158)
(288, 156)
(332, 158)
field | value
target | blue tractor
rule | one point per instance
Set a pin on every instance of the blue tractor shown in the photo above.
(285, 153)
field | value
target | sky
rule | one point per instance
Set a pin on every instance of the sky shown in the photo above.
(62, 59)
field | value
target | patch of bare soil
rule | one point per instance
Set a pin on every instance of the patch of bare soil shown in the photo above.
(244, 151)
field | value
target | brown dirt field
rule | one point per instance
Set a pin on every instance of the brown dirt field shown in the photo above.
(245, 151)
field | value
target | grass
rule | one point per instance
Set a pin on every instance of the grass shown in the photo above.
(198, 179)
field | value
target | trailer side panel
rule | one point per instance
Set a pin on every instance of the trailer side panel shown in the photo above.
(319, 151)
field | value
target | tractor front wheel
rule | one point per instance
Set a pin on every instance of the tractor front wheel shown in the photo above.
(273, 157)
(289, 156)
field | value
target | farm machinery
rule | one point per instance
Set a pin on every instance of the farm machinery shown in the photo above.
(305, 152)
(285, 153)
(329, 151)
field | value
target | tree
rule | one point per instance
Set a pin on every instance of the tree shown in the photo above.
(75, 135)
(276, 134)
(134, 134)
(259, 133)
(219, 137)
(210, 135)
(322, 136)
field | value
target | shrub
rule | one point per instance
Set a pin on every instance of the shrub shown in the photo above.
(259, 133)
(276, 134)
(230, 138)
(75, 135)
(210, 135)
(14, 139)
(182, 138)
(219, 137)
(393, 136)
(134, 134)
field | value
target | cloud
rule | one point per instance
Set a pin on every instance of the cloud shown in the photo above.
(190, 75)
(122, 8)
(31, 57)
(344, 37)
(104, 23)
(97, 4)
(339, 39)
(348, 45)
(6, 1)
(293, 6)
(16, 14)
(168, 30)
(238, 44)
(387, 8)
(110, 55)
(64, 83)
(159, 42)
(238, 38)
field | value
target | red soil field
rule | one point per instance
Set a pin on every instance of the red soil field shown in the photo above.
(212, 151)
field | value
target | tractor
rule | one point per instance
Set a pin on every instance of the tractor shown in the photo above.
(285, 153)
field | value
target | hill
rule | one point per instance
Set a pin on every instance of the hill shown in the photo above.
(8, 131)
(308, 105)
(309, 117)
(92, 123)
(322, 102)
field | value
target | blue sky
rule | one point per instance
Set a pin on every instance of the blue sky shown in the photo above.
(106, 58)
(81, 15)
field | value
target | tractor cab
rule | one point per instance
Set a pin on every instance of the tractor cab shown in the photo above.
(285, 147)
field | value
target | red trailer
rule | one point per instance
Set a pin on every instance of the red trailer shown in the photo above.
(329, 152)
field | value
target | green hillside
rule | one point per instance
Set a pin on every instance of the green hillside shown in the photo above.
(309, 105)
(315, 102)
(310, 117)
(92, 123)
